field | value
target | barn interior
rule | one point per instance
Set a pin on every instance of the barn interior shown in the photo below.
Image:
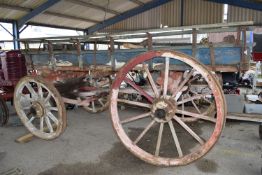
(130, 87)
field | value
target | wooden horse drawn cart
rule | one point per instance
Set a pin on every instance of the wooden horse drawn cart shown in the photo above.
(174, 101)
(177, 91)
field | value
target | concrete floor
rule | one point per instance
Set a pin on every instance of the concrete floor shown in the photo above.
(90, 147)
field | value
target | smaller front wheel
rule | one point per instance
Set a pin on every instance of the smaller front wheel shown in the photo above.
(40, 107)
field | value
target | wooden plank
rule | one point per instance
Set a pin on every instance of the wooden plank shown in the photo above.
(25, 138)
(28, 137)
(245, 117)
(218, 68)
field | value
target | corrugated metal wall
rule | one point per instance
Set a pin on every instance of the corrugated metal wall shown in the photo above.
(169, 14)
(236, 14)
(202, 12)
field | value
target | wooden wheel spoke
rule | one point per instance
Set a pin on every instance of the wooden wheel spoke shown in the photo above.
(93, 106)
(31, 89)
(200, 116)
(139, 89)
(189, 130)
(26, 107)
(151, 81)
(48, 97)
(53, 118)
(166, 76)
(183, 106)
(53, 108)
(195, 106)
(159, 139)
(31, 120)
(25, 96)
(193, 79)
(131, 119)
(178, 147)
(203, 97)
(41, 124)
(101, 102)
(49, 125)
(40, 90)
(135, 103)
(144, 131)
(195, 97)
(182, 84)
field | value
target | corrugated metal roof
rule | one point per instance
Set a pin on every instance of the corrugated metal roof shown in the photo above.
(202, 12)
(7, 14)
(50, 20)
(236, 14)
(118, 5)
(165, 15)
(145, 20)
(194, 12)
(24, 3)
(68, 13)
(70, 8)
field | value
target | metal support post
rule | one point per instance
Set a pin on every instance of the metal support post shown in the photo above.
(112, 51)
(149, 48)
(79, 55)
(95, 49)
(16, 36)
(51, 56)
(194, 42)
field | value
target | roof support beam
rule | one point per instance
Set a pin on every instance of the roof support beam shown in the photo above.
(137, 2)
(41, 9)
(24, 9)
(54, 26)
(6, 29)
(86, 4)
(255, 5)
(125, 15)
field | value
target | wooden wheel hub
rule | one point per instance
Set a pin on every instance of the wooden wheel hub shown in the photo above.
(163, 110)
(37, 109)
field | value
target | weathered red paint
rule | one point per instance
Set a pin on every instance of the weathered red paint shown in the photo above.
(214, 86)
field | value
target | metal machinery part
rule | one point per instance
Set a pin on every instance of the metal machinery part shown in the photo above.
(40, 107)
(12, 68)
(3, 113)
(169, 103)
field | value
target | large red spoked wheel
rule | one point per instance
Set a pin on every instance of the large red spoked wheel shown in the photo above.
(156, 129)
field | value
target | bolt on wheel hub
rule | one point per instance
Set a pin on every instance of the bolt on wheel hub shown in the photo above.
(163, 110)
(37, 109)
